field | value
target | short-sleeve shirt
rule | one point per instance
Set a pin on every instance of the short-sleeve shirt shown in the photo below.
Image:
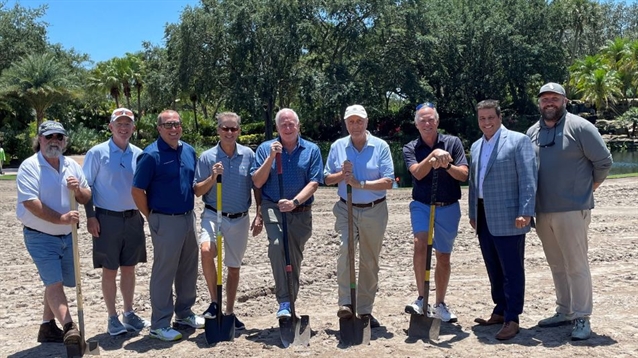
(167, 175)
(109, 171)
(236, 180)
(37, 179)
(299, 168)
(372, 163)
(448, 189)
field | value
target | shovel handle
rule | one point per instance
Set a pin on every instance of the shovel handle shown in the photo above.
(353, 279)
(76, 266)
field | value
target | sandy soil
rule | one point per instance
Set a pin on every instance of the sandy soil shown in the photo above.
(613, 256)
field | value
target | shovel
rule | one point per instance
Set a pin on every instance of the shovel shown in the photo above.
(426, 326)
(86, 347)
(293, 330)
(354, 330)
(222, 327)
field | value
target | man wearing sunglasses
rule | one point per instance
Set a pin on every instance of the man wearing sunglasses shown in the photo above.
(573, 162)
(232, 161)
(430, 152)
(44, 181)
(115, 223)
(163, 192)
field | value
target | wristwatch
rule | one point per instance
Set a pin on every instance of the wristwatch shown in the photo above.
(362, 184)
(449, 165)
(296, 202)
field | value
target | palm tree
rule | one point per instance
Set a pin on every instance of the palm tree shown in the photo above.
(104, 77)
(38, 80)
(602, 87)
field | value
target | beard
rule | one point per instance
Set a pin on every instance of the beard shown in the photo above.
(552, 114)
(52, 151)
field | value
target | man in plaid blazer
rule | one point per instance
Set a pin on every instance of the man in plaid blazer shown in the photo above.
(501, 204)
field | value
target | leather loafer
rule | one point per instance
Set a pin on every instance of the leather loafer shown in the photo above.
(345, 311)
(508, 331)
(494, 319)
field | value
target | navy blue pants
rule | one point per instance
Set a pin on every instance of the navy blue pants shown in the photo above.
(504, 260)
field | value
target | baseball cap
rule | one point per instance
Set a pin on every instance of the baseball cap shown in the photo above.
(122, 112)
(552, 87)
(355, 110)
(51, 127)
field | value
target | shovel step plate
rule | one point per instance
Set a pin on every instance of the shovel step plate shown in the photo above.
(295, 331)
(354, 331)
(83, 348)
(220, 329)
(424, 327)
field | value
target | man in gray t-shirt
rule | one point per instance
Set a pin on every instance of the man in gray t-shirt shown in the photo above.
(573, 162)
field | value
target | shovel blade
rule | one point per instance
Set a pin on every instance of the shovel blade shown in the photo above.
(220, 329)
(355, 331)
(295, 331)
(84, 348)
(424, 327)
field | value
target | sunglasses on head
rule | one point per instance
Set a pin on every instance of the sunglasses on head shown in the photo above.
(123, 112)
(228, 129)
(169, 125)
(57, 136)
(426, 104)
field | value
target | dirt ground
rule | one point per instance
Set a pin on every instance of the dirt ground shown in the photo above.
(613, 256)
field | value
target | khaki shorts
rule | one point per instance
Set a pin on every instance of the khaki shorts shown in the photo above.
(234, 232)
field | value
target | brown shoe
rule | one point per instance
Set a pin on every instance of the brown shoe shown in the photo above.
(50, 333)
(508, 331)
(73, 340)
(494, 319)
(345, 311)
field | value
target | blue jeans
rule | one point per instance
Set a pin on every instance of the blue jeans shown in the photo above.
(52, 255)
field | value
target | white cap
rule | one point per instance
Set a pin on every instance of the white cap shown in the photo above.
(355, 110)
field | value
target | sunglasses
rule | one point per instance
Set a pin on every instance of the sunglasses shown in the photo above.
(123, 112)
(57, 136)
(169, 125)
(548, 144)
(426, 104)
(228, 129)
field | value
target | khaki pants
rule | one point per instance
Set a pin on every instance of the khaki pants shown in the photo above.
(564, 238)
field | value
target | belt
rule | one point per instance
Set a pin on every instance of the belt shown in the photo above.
(118, 214)
(44, 233)
(228, 215)
(171, 214)
(301, 209)
(442, 203)
(368, 205)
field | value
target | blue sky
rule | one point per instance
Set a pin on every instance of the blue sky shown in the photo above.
(107, 28)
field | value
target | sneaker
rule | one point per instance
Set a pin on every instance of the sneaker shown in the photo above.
(50, 333)
(73, 340)
(239, 325)
(559, 319)
(166, 334)
(193, 320)
(211, 312)
(443, 313)
(581, 330)
(415, 308)
(134, 323)
(284, 310)
(345, 311)
(115, 327)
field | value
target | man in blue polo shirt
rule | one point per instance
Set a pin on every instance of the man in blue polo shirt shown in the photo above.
(302, 174)
(429, 152)
(233, 162)
(163, 192)
(364, 162)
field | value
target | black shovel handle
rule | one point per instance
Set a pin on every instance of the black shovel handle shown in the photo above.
(284, 228)
(353, 279)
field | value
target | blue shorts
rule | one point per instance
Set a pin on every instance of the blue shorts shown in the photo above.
(52, 255)
(446, 223)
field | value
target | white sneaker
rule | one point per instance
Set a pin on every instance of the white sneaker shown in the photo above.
(165, 334)
(193, 320)
(415, 308)
(443, 313)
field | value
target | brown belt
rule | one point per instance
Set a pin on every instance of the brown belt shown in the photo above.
(301, 209)
(368, 205)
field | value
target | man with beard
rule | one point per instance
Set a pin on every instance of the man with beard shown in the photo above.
(573, 162)
(43, 182)
(116, 225)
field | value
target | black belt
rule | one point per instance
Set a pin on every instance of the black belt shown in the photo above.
(368, 205)
(301, 209)
(171, 214)
(118, 214)
(228, 215)
(443, 203)
(40, 232)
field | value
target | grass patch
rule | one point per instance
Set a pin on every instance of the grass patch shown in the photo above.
(8, 177)
(626, 175)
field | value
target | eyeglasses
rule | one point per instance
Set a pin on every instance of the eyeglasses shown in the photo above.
(57, 136)
(426, 104)
(548, 144)
(169, 125)
(123, 112)
(228, 129)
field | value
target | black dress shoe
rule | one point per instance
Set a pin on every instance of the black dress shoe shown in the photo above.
(373, 321)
